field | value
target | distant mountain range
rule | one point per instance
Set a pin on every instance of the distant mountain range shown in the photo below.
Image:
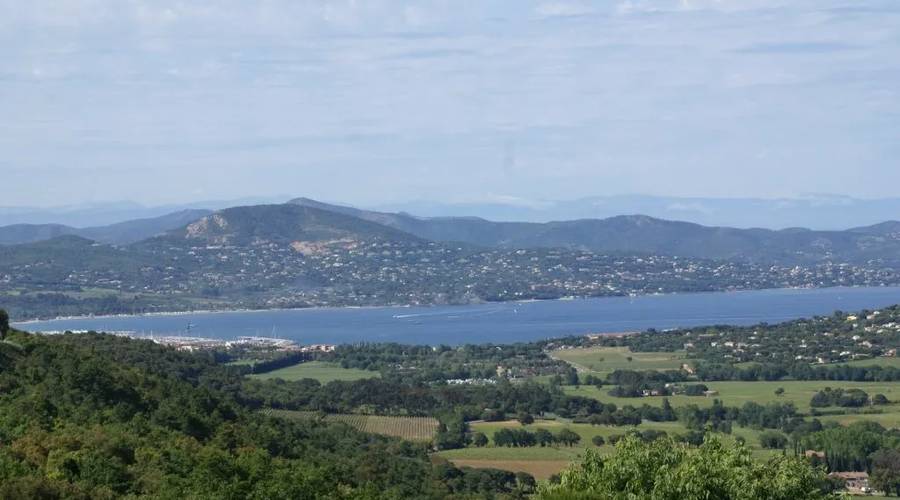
(104, 214)
(822, 212)
(306, 220)
(643, 234)
(117, 234)
(307, 253)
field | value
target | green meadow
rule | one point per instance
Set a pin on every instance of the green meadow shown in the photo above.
(604, 360)
(737, 393)
(318, 370)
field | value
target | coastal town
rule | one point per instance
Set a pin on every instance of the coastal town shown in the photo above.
(187, 343)
(178, 275)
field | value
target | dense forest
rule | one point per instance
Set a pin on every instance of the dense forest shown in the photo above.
(97, 416)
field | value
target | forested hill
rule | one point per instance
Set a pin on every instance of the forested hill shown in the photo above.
(304, 219)
(642, 234)
(99, 417)
(283, 223)
(92, 416)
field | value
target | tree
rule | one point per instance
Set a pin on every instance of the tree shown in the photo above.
(479, 439)
(668, 413)
(543, 437)
(880, 399)
(4, 324)
(598, 440)
(525, 418)
(773, 440)
(666, 470)
(779, 392)
(886, 471)
(568, 437)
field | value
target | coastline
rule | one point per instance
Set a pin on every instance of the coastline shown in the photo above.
(399, 306)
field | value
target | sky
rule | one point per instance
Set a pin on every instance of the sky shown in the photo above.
(380, 101)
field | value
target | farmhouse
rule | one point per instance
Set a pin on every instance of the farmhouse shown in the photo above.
(855, 482)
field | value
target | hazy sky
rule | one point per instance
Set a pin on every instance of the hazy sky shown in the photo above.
(374, 101)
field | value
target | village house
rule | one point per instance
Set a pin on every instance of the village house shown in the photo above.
(854, 482)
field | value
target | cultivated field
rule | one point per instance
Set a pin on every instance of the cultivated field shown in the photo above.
(319, 370)
(543, 462)
(738, 393)
(420, 429)
(603, 360)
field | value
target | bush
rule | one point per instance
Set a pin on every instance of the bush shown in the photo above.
(847, 398)
(695, 389)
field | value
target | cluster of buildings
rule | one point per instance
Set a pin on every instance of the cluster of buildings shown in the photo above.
(345, 271)
(195, 344)
(818, 341)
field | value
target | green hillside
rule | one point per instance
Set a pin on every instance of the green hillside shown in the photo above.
(103, 417)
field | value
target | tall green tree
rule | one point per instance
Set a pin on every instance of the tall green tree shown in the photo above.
(4, 324)
(666, 470)
(886, 471)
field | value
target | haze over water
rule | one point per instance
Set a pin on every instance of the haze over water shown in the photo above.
(498, 322)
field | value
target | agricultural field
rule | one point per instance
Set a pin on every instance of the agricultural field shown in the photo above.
(738, 393)
(604, 360)
(418, 429)
(544, 462)
(319, 370)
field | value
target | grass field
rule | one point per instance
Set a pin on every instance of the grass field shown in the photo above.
(420, 429)
(603, 360)
(544, 462)
(319, 370)
(892, 362)
(738, 393)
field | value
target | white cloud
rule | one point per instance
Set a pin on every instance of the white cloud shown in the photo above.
(419, 98)
(563, 9)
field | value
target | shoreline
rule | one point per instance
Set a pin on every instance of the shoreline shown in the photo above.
(405, 306)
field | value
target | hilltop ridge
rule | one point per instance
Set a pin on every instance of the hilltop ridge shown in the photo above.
(283, 223)
(645, 234)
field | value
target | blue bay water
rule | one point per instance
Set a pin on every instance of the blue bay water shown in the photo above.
(497, 323)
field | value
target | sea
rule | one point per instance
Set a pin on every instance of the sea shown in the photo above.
(507, 322)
